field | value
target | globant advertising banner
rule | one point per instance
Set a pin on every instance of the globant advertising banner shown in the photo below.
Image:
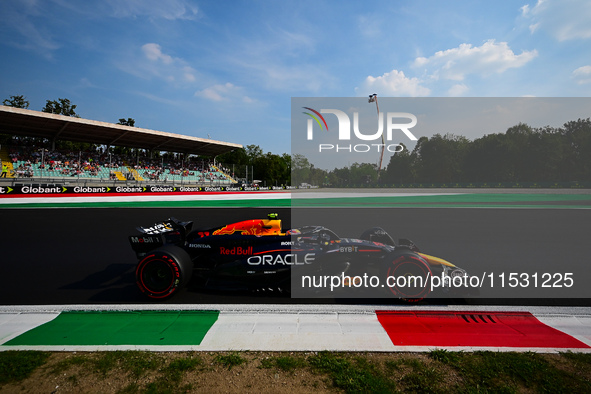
(45, 189)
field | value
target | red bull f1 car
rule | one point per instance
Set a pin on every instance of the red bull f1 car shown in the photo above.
(259, 254)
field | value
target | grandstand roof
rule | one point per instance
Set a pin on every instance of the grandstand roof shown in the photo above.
(25, 122)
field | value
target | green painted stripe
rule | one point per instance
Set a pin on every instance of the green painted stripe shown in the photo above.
(491, 200)
(456, 200)
(120, 328)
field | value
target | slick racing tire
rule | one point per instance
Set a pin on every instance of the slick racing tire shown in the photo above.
(163, 272)
(408, 276)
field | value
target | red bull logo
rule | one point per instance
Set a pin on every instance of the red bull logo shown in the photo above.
(236, 250)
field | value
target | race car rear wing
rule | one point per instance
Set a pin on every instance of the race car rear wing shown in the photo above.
(167, 226)
(170, 231)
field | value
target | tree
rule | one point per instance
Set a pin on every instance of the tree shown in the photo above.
(339, 177)
(271, 169)
(441, 158)
(400, 169)
(300, 167)
(253, 152)
(576, 137)
(488, 159)
(127, 122)
(61, 106)
(237, 157)
(363, 174)
(16, 102)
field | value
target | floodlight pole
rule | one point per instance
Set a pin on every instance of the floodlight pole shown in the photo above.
(42, 157)
(372, 98)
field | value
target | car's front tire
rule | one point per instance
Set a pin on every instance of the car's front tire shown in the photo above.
(407, 276)
(163, 272)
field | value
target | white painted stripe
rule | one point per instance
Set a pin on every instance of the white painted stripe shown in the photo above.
(15, 324)
(297, 332)
(146, 198)
(578, 327)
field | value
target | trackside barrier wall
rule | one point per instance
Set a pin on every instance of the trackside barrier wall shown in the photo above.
(43, 189)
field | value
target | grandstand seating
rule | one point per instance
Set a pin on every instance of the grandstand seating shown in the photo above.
(228, 177)
(119, 175)
(135, 174)
(5, 160)
(32, 167)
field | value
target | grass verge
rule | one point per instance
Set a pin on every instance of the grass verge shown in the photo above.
(438, 371)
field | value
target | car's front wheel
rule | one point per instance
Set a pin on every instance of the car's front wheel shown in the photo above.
(408, 276)
(163, 272)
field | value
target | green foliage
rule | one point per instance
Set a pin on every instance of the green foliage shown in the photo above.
(16, 102)
(237, 157)
(229, 360)
(507, 372)
(580, 359)
(351, 376)
(439, 371)
(522, 154)
(16, 366)
(271, 169)
(134, 362)
(176, 369)
(127, 122)
(61, 106)
(444, 356)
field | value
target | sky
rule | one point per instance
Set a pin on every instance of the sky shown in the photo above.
(227, 70)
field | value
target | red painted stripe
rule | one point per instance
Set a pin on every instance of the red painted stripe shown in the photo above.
(481, 329)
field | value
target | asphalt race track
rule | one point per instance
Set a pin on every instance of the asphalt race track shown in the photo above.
(82, 256)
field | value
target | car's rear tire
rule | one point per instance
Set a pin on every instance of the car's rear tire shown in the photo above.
(408, 276)
(163, 272)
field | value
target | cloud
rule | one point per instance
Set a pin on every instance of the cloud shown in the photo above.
(154, 9)
(165, 66)
(153, 62)
(154, 52)
(457, 90)
(582, 75)
(563, 19)
(225, 92)
(395, 84)
(489, 58)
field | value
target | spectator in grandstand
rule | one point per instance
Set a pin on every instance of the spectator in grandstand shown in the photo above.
(4, 170)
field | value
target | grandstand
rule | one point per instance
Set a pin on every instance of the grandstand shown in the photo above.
(48, 164)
